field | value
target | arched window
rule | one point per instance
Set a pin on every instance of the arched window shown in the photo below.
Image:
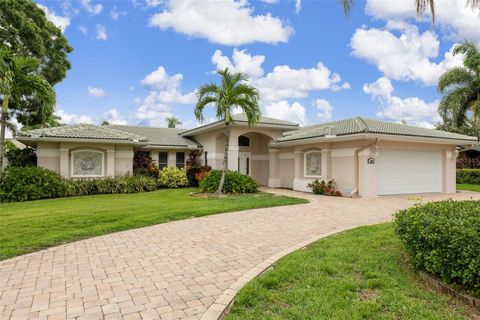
(313, 164)
(243, 141)
(87, 163)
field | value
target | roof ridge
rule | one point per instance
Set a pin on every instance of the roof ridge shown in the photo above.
(365, 125)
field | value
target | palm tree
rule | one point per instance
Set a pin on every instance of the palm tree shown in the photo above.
(420, 5)
(19, 79)
(173, 122)
(234, 92)
(460, 87)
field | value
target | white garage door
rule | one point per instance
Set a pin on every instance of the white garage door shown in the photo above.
(409, 171)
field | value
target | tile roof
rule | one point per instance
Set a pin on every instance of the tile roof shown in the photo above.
(159, 136)
(364, 125)
(242, 117)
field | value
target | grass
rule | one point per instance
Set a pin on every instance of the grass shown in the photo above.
(359, 274)
(30, 226)
(469, 187)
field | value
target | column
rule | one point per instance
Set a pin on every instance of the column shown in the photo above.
(299, 182)
(64, 163)
(326, 164)
(110, 163)
(154, 155)
(274, 166)
(233, 158)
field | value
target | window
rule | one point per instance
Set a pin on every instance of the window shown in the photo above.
(243, 141)
(162, 160)
(205, 161)
(313, 164)
(180, 160)
(87, 163)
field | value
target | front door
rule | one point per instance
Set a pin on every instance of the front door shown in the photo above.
(244, 162)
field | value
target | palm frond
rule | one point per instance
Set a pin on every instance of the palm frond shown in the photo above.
(347, 6)
(422, 5)
(454, 77)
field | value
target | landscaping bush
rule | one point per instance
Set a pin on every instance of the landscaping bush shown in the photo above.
(234, 182)
(109, 185)
(172, 177)
(30, 183)
(144, 165)
(328, 188)
(196, 174)
(21, 157)
(468, 176)
(443, 238)
(468, 163)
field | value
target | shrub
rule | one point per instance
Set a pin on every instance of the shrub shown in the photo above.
(465, 162)
(328, 188)
(443, 238)
(109, 185)
(196, 174)
(468, 176)
(234, 182)
(172, 177)
(30, 183)
(21, 157)
(143, 164)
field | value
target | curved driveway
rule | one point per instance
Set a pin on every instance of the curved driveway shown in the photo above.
(188, 269)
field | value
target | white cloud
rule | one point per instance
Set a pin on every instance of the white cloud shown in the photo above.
(153, 3)
(226, 22)
(115, 14)
(8, 133)
(241, 61)
(59, 21)
(165, 88)
(91, 8)
(406, 56)
(283, 110)
(152, 113)
(96, 92)
(324, 110)
(83, 29)
(412, 110)
(101, 33)
(112, 116)
(71, 118)
(456, 20)
(298, 6)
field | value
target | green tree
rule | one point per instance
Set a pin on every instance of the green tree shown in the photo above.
(26, 31)
(173, 122)
(234, 92)
(460, 87)
(20, 79)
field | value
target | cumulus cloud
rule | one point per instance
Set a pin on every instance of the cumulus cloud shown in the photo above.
(96, 92)
(456, 20)
(241, 61)
(83, 29)
(412, 110)
(101, 33)
(71, 118)
(226, 22)
(152, 113)
(91, 8)
(165, 88)
(283, 110)
(324, 110)
(112, 116)
(116, 14)
(59, 21)
(407, 56)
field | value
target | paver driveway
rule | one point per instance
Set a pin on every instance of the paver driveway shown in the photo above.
(186, 269)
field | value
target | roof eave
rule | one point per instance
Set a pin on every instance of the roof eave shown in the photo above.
(80, 140)
(220, 124)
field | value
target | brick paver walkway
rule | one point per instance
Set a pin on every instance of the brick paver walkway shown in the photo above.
(179, 270)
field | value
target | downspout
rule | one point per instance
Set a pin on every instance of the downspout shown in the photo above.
(354, 193)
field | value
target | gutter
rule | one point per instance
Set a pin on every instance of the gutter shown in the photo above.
(354, 193)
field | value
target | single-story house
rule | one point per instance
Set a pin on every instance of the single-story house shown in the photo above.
(366, 157)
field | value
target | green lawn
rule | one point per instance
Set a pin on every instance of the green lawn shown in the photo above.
(469, 187)
(359, 274)
(30, 226)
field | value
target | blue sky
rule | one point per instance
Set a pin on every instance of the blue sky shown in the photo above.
(138, 62)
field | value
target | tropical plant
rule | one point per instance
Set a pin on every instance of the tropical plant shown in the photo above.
(460, 87)
(234, 92)
(26, 157)
(173, 177)
(173, 122)
(143, 164)
(235, 182)
(20, 80)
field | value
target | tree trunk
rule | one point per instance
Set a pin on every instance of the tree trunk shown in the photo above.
(225, 158)
(3, 124)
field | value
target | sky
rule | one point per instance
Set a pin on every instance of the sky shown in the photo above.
(138, 62)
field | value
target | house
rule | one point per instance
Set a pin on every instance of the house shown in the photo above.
(366, 157)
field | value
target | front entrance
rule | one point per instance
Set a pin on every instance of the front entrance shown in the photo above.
(244, 162)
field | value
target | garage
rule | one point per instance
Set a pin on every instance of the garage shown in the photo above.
(409, 171)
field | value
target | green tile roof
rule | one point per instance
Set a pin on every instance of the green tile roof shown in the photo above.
(364, 125)
(159, 136)
(82, 131)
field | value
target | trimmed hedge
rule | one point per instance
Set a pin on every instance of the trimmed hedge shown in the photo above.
(443, 238)
(468, 176)
(109, 185)
(172, 177)
(234, 182)
(30, 183)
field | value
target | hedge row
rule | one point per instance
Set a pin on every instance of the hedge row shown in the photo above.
(443, 238)
(468, 176)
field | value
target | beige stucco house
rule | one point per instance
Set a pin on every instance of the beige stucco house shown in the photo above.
(365, 157)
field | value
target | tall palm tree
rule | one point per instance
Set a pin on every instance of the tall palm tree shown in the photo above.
(460, 87)
(420, 5)
(234, 92)
(173, 122)
(20, 79)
